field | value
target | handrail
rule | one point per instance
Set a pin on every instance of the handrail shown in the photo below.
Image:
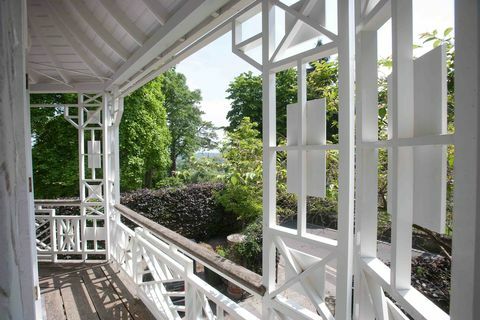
(58, 202)
(248, 280)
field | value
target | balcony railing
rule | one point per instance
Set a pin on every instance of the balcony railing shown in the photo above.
(159, 261)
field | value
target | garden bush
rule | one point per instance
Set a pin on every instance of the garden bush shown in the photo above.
(191, 210)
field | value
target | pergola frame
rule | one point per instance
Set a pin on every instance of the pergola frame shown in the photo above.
(355, 43)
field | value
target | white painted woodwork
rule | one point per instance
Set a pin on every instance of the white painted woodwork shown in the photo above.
(416, 131)
(142, 43)
(430, 162)
(146, 44)
(315, 135)
(19, 287)
(315, 10)
(94, 158)
(465, 297)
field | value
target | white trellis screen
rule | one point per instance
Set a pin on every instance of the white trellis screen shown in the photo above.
(306, 148)
(416, 147)
(83, 234)
(416, 144)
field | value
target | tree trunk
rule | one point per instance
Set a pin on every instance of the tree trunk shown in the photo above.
(148, 179)
(173, 159)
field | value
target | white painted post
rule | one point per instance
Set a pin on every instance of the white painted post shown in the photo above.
(19, 289)
(367, 160)
(107, 104)
(465, 296)
(346, 51)
(402, 157)
(269, 154)
(302, 153)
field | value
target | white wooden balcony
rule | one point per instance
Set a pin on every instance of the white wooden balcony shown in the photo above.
(102, 50)
(150, 272)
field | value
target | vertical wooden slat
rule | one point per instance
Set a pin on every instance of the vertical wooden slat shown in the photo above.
(367, 160)
(346, 50)
(269, 154)
(302, 153)
(402, 157)
(465, 297)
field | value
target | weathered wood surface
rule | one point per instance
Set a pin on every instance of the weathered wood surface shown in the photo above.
(89, 292)
(249, 280)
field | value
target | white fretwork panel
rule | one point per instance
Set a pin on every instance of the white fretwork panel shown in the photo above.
(315, 135)
(292, 36)
(94, 190)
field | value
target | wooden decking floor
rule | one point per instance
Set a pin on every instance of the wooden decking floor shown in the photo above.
(89, 291)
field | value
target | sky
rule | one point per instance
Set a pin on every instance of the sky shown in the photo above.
(212, 68)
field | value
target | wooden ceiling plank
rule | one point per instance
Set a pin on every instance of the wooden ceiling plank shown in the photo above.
(81, 9)
(37, 31)
(158, 10)
(60, 15)
(122, 19)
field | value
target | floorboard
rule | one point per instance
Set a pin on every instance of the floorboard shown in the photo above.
(80, 291)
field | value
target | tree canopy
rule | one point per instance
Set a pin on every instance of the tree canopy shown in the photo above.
(245, 93)
(188, 130)
(144, 137)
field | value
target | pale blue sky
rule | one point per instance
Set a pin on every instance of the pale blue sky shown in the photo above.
(212, 68)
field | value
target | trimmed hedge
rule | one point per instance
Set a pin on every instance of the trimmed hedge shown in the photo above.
(192, 210)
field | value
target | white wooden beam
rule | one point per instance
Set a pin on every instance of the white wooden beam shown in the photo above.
(60, 16)
(37, 31)
(63, 88)
(50, 77)
(123, 20)
(465, 297)
(188, 17)
(82, 10)
(69, 70)
(76, 46)
(158, 10)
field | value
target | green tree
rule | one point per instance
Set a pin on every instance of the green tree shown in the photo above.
(144, 137)
(188, 131)
(54, 148)
(55, 160)
(245, 93)
(242, 152)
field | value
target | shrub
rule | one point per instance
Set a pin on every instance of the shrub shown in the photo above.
(242, 152)
(320, 211)
(191, 210)
(248, 253)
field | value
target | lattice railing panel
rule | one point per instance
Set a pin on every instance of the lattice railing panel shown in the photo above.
(165, 279)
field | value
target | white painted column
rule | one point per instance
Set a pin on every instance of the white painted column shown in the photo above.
(269, 117)
(465, 297)
(19, 291)
(346, 53)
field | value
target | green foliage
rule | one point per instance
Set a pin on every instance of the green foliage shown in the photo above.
(322, 83)
(144, 138)
(242, 152)
(248, 253)
(245, 93)
(54, 148)
(188, 131)
(55, 160)
(202, 169)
